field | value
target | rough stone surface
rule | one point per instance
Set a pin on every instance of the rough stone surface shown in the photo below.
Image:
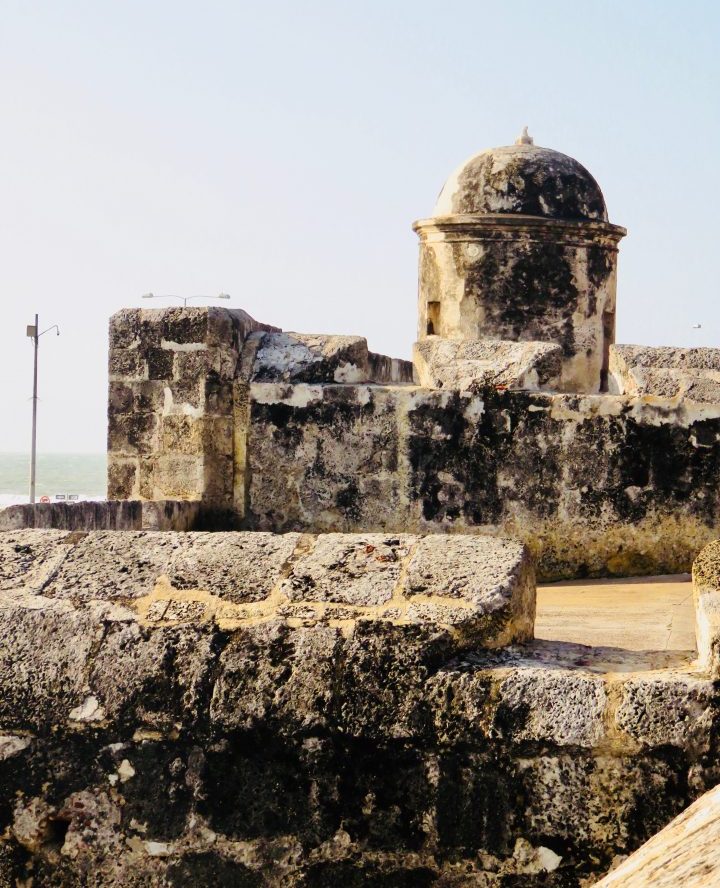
(684, 853)
(665, 372)
(706, 595)
(233, 745)
(447, 363)
(524, 179)
(479, 589)
(306, 357)
(519, 248)
(595, 485)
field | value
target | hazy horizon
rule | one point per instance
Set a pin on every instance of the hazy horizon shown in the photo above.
(280, 153)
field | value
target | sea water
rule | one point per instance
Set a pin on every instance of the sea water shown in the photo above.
(58, 476)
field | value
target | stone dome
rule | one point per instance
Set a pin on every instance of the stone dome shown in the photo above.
(523, 179)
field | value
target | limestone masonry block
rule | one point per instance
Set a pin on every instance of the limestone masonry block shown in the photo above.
(311, 357)
(706, 594)
(459, 365)
(684, 853)
(479, 590)
(692, 374)
(304, 357)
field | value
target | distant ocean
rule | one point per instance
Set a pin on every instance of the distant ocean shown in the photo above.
(59, 475)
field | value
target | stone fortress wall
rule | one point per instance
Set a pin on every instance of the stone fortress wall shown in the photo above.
(340, 684)
(302, 711)
(518, 416)
(267, 434)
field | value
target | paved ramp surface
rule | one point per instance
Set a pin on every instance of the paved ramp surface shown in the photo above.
(638, 614)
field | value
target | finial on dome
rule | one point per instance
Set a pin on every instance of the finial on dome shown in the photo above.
(524, 138)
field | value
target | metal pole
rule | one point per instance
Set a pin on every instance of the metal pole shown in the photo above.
(36, 338)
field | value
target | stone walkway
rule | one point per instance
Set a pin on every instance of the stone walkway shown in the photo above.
(637, 614)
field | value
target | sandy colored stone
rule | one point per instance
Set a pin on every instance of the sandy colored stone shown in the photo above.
(452, 364)
(666, 372)
(28, 558)
(304, 357)
(357, 569)
(685, 853)
(127, 565)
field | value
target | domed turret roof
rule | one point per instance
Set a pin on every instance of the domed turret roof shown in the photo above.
(525, 179)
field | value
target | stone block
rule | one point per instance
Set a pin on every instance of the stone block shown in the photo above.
(553, 706)
(159, 363)
(480, 589)
(458, 365)
(127, 364)
(182, 434)
(122, 478)
(304, 357)
(186, 326)
(691, 374)
(684, 853)
(656, 711)
(456, 574)
(706, 595)
(133, 433)
(124, 328)
(202, 435)
(384, 370)
(237, 567)
(176, 476)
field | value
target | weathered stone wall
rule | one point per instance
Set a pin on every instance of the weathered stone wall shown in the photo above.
(171, 403)
(594, 485)
(164, 723)
(276, 431)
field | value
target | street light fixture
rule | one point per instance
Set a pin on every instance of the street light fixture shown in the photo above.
(32, 332)
(184, 299)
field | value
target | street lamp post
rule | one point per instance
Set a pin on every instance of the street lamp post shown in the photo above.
(183, 299)
(33, 332)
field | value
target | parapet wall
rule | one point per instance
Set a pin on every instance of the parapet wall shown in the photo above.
(286, 432)
(194, 709)
(105, 515)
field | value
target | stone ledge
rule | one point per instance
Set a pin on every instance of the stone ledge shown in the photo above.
(102, 515)
(317, 358)
(706, 594)
(691, 374)
(461, 365)
(477, 590)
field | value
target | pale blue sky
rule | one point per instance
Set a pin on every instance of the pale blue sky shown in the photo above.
(280, 152)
